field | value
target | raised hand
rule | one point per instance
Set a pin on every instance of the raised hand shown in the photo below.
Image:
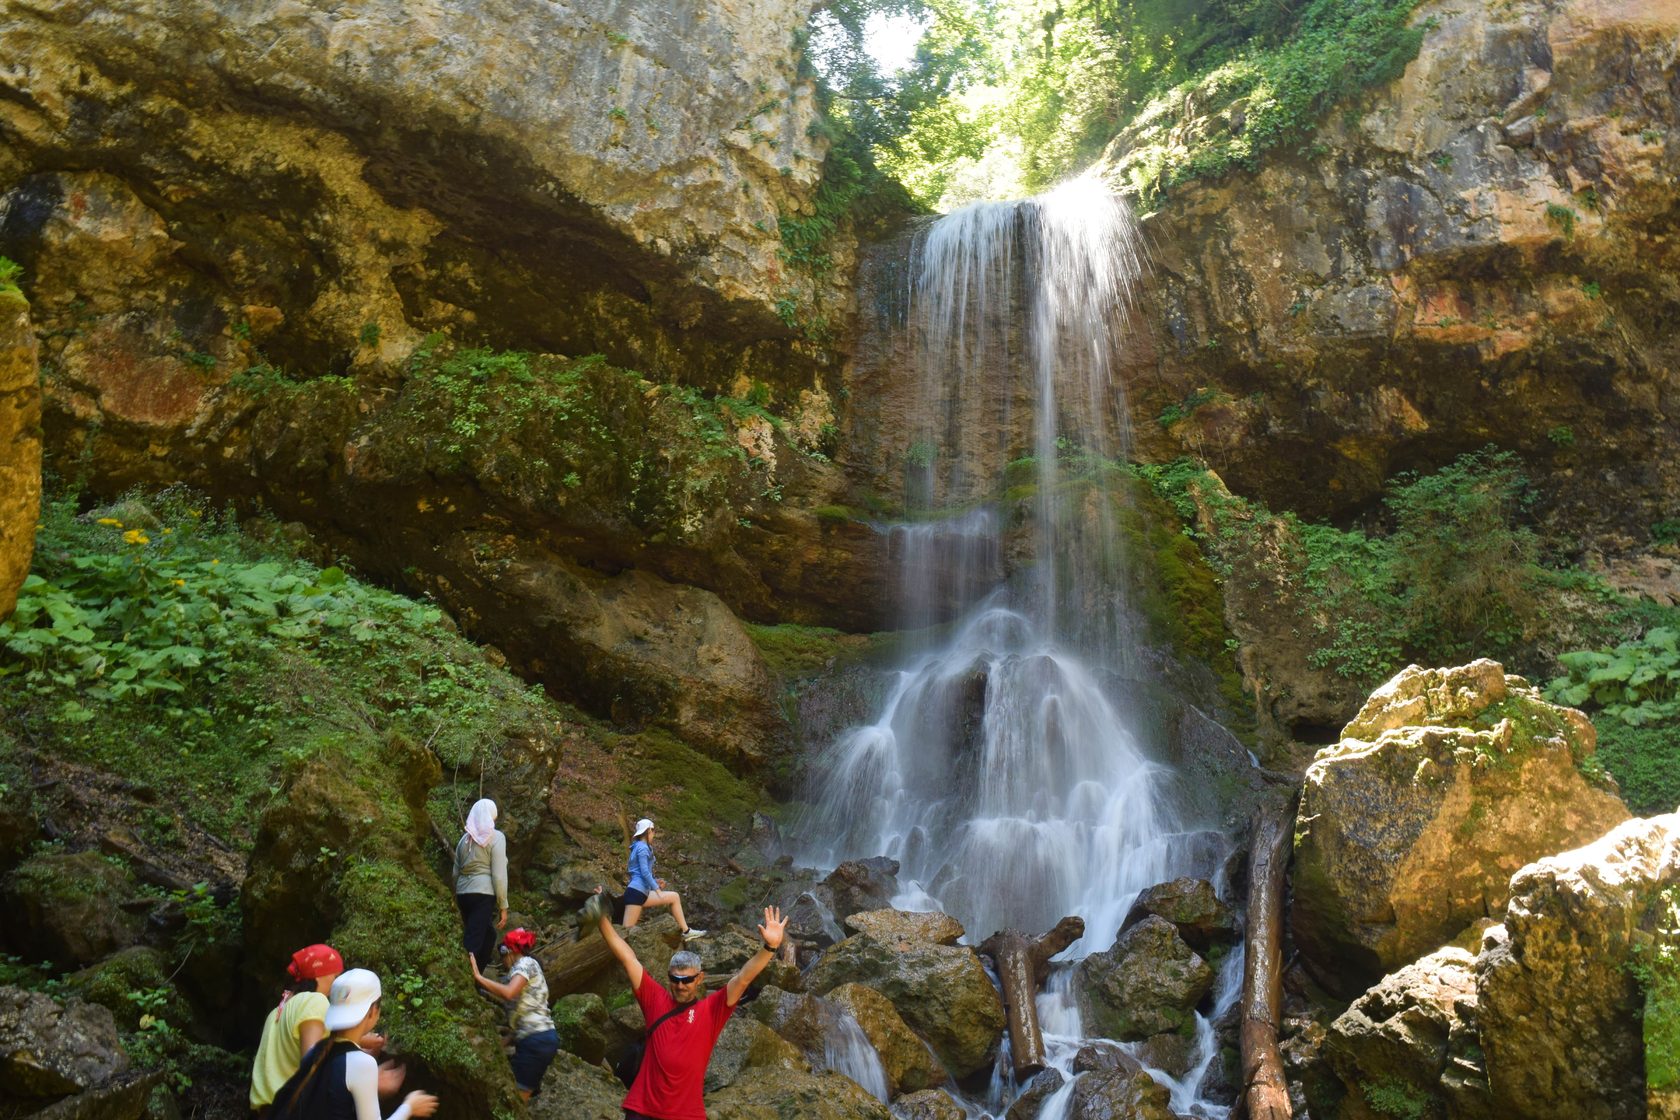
(391, 1077)
(420, 1104)
(774, 927)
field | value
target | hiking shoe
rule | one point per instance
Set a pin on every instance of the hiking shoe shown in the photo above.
(589, 917)
(692, 934)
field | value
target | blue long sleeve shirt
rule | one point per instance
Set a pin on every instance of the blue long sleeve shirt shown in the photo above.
(641, 868)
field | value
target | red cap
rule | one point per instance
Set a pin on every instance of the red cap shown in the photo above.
(520, 940)
(315, 962)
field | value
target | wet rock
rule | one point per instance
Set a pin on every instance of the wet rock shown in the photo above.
(49, 1049)
(1103, 1056)
(20, 445)
(1147, 983)
(1413, 1038)
(1443, 786)
(1118, 1094)
(928, 1104)
(1574, 923)
(575, 1089)
(573, 882)
(941, 991)
(1170, 1053)
(901, 927)
(584, 1026)
(765, 1094)
(127, 1096)
(862, 884)
(68, 908)
(906, 1059)
(746, 1044)
(1037, 1090)
(1191, 906)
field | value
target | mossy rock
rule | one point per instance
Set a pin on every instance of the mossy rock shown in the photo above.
(139, 970)
(68, 908)
(584, 1026)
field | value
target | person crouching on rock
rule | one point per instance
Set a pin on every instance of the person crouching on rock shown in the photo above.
(683, 1026)
(297, 1023)
(644, 890)
(535, 1040)
(481, 880)
(338, 1080)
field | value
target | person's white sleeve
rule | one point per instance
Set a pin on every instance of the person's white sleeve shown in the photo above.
(361, 1077)
(498, 867)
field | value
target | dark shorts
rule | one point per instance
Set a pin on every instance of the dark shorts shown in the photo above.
(634, 897)
(531, 1056)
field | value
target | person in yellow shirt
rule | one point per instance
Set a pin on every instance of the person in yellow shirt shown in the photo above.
(299, 1022)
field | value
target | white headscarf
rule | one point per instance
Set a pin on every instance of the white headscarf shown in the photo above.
(481, 821)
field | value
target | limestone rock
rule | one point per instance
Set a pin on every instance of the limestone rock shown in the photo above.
(1413, 1036)
(928, 1104)
(862, 884)
(583, 1024)
(908, 1063)
(777, 1094)
(903, 927)
(1191, 906)
(20, 445)
(941, 991)
(49, 1049)
(1170, 1053)
(1409, 829)
(1120, 1094)
(1558, 1005)
(68, 908)
(575, 1089)
(124, 1097)
(1148, 982)
(137, 968)
(1043, 1085)
(746, 1044)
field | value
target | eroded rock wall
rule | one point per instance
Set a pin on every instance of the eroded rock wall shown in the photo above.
(20, 445)
(327, 183)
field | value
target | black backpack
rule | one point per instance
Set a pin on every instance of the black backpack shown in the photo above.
(630, 1064)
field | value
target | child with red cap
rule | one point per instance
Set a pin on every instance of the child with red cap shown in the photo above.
(535, 1040)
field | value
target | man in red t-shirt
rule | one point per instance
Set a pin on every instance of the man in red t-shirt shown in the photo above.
(672, 1079)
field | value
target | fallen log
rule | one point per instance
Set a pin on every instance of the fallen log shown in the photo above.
(1264, 1088)
(1021, 963)
(574, 966)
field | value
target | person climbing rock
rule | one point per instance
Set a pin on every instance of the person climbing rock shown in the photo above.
(297, 1023)
(337, 1079)
(481, 881)
(535, 1040)
(684, 1024)
(646, 891)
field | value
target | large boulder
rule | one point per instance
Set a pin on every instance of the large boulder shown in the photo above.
(1413, 1037)
(1443, 786)
(69, 907)
(746, 1044)
(20, 444)
(1193, 908)
(51, 1049)
(1148, 982)
(928, 1104)
(778, 1094)
(574, 1089)
(902, 927)
(1120, 1094)
(1559, 985)
(941, 991)
(906, 1059)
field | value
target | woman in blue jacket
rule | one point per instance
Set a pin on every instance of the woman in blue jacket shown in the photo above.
(644, 890)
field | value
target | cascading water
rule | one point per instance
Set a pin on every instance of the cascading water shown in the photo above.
(1002, 771)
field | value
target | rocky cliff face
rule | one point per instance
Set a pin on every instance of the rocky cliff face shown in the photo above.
(20, 445)
(328, 184)
(1482, 252)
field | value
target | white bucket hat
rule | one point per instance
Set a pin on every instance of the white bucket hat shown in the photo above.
(349, 999)
(642, 826)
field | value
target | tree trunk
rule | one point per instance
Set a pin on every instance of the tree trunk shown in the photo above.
(1021, 963)
(573, 966)
(1265, 1089)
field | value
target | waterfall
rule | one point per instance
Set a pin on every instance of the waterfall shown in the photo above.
(1004, 770)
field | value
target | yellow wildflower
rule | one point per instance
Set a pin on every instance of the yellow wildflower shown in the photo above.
(166, 532)
(135, 536)
(111, 521)
(215, 561)
(180, 583)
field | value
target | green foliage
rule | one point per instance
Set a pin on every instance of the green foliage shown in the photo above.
(1645, 761)
(1666, 531)
(369, 335)
(1562, 217)
(1592, 290)
(1562, 436)
(11, 273)
(1656, 964)
(1173, 413)
(1638, 682)
(1391, 1096)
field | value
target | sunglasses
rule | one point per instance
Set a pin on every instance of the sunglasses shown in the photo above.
(689, 979)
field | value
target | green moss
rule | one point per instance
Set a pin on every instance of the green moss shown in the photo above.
(834, 515)
(1400, 1099)
(693, 793)
(1659, 975)
(735, 894)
